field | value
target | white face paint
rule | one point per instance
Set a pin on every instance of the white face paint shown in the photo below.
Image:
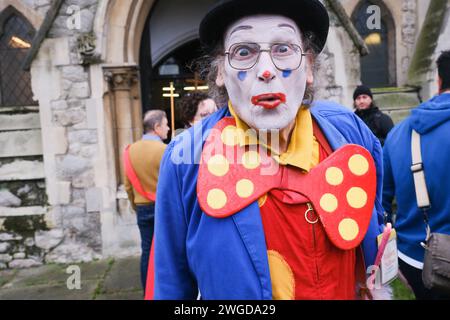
(249, 90)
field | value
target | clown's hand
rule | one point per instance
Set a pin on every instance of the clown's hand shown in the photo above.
(377, 290)
(383, 293)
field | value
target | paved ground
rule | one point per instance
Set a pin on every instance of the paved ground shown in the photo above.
(113, 279)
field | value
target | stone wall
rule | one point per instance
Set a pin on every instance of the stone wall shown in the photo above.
(61, 83)
(23, 196)
(40, 6)
(22, 187)
(430, 86)
(409, 32)
(338, 71)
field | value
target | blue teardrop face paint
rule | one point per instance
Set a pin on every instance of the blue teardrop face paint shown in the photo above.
(242, 75)
(287, 73)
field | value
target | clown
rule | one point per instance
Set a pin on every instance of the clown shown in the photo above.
(285, 200)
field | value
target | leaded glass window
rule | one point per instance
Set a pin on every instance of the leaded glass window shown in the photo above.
(16, 35)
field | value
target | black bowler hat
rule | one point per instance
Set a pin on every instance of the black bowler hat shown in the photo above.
(362, 90)
(310, 15)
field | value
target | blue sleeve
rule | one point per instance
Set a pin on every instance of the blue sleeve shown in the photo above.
(388, 183)
(378, 156)
(376, 225)
(173, 279)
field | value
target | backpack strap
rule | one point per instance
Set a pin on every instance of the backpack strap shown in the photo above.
(132, 176)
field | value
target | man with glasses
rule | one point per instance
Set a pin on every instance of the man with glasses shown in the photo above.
(254, 210)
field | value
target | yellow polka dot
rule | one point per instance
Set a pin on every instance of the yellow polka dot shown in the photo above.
(334, 176)
(218, 165)
(358, 165)
(348, 229)
(244, 188)
(251, 160)
(230, 136)
(217, 199)
(282, 277)
(262, 200)
(328, 202)
(357, 198)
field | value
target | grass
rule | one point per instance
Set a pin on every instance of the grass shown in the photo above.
(99, 290)
(401, 291)
(6, 276)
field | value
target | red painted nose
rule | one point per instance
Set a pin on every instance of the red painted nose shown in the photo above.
(267, 75)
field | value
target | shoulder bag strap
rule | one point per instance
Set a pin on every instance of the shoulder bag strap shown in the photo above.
(423, 200)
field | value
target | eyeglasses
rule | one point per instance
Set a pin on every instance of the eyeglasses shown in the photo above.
(245, 55)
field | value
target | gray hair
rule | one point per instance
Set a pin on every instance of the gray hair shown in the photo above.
(152, 118)
(208, 66)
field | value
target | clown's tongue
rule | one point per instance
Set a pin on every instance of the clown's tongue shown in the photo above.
(269, 100)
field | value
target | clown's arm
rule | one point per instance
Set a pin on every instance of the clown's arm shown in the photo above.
(376, 227)
(373, 145)
(172, 276)
(388, 184)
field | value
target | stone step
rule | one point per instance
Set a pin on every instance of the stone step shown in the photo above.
(22, 170)
(19, 121)
(20, 143)
(22, 211)
(396, 98)
(396, 102)
(398, 115)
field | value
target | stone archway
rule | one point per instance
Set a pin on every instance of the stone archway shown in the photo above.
(118, 27)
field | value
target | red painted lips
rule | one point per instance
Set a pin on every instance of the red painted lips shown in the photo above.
(269, 100)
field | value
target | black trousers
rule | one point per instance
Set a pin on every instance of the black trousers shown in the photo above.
(414, 277)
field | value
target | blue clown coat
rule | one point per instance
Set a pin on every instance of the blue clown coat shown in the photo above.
(227, 258)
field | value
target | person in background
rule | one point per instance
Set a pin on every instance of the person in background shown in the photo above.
(379, 122)
(431, 120)
(142, 160)
(196, 106)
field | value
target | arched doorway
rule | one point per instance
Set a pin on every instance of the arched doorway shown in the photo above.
(375, 24)
(176, 68)
(169, 49)
(131, 46)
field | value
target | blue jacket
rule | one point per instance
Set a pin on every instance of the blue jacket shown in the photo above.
(432, 121)
(227, 258)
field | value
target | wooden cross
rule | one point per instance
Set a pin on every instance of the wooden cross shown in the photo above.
(196, 81)
(172, 95)
(172, 107)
